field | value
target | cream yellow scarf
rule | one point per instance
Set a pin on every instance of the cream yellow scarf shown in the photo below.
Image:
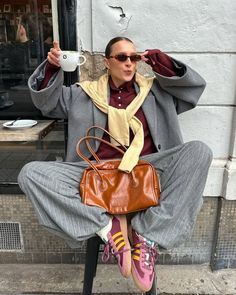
(120, 120)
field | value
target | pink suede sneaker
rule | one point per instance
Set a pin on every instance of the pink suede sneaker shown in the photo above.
(143, 262)
(118, 245)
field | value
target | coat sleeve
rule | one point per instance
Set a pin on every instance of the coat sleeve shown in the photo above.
(186, 89)
(54, 100)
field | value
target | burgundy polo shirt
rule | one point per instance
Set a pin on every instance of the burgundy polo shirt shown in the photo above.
(120, 98)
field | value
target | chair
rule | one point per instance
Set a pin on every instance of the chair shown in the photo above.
(92, 251)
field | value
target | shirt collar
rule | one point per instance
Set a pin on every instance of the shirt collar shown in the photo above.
(127, 86)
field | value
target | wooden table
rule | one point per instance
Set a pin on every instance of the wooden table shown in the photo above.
(35, 133)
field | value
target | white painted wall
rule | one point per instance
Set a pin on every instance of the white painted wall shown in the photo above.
(201, 33)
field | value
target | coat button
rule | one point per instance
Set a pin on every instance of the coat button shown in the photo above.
(159, 146)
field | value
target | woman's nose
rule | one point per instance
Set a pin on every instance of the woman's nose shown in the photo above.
(128, 61)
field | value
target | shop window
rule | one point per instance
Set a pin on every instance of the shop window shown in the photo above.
(25, 38)
(26, 35)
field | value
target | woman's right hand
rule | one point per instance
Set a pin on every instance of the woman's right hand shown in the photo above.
(53, 54)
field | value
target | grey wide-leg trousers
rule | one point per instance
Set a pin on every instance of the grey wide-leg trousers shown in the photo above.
(53, 188)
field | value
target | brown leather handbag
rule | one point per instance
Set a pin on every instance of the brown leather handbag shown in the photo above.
(118, 192)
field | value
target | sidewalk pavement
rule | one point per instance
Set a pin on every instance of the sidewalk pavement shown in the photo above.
(68, 279)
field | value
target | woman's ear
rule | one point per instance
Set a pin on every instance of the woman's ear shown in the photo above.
(106, 63)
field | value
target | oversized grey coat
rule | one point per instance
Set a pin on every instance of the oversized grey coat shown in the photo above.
(53, 187)
(168, 98)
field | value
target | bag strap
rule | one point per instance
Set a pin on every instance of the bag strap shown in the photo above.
(104, 130)
(86, 138)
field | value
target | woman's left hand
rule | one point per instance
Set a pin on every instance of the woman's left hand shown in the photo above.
(143, 56)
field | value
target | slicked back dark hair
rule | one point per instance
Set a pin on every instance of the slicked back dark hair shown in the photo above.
(112, 42)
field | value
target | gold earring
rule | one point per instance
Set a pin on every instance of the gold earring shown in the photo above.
(108, 72)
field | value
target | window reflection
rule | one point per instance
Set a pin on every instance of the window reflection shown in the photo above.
(25, 38)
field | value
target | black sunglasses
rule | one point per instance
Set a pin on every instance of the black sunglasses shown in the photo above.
(124, 57)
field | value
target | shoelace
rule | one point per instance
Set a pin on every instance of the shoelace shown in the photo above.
(109, 250)
(149, 256)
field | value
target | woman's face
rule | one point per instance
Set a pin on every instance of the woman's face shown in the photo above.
(121, 71)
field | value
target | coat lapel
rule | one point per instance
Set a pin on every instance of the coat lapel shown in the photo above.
(100, 120)
(149, 108)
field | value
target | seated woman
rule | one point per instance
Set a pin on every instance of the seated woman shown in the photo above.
(154, 103)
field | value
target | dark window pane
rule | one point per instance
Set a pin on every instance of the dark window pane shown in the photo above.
(25, 38)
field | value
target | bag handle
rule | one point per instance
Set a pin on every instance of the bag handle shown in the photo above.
(104, 130)
(86, 138)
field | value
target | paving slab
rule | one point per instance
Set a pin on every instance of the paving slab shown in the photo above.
(68, 279)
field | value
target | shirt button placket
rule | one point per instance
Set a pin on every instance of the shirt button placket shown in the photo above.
(119, 98)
